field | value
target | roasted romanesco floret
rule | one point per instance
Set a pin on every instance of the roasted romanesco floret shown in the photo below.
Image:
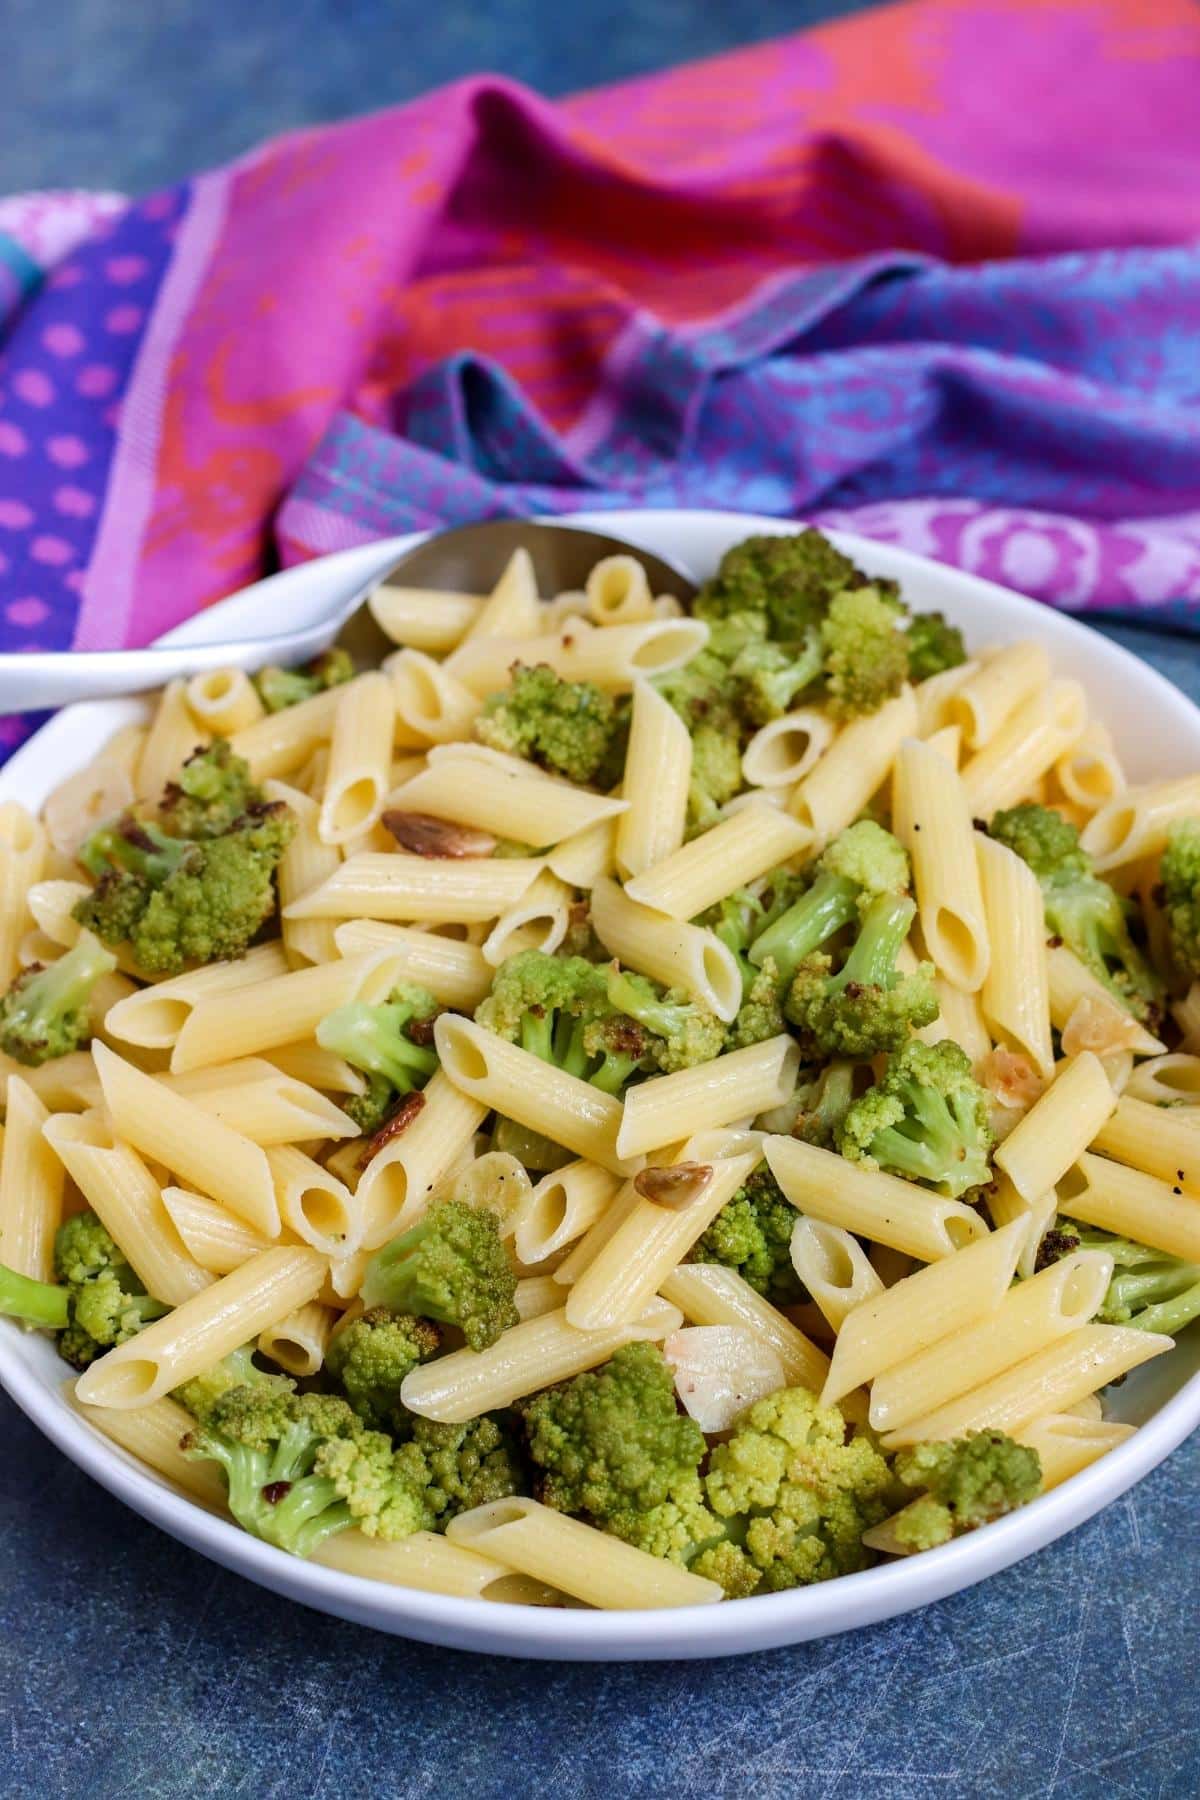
(46, 1011)
(965, 1483)
(862, 863)
(97, 1300)
(796, 1495)
(566, 726)
(451, 1266)
(1179, 880)
(392, 1044)
(933, 645)
(279, 688)
(369, 1358)
(927, 1118)
(681, 1032)
(787, 580)
(752, 1233)
(867, 1006)
(866, 656)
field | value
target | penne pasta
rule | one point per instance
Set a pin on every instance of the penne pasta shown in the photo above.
(174, 735)
(833, 1267)
(409, 889)
(529, 1356)
(153, 1017)
(171, 1129)
(1050, 1380)
(739, 1085)
(931, 818)
(1029, 1316)
(935, 698)
(782, 753)
(99, 792)
(457, 974)
(592, 1565)
(31, 1186)
(297, 1344)
(1066, 1444)
(505, 795)
(990, 696)
(742, 847)
(675, 954)
(711, 1294)
(1028, 743)
(215, 1238)
(1071, 983)
(396, 1184)
(204, 1328)
(613, 657)
(431, 706)
(561, 1208)
(538, 921)
(658, 769)
(1089, 774)
(152, 1434)
(428, 619)
(22, 858)
(313, 1204)
(127, 1200)
(1135, 824)
(360, 758)
(655, 1236)
(869, 1203)
(1058, 1127)
(890, 1326)
(426, 1561)
(1015, 996)
(511, 610)
(1158, 1141)
(618, 592)
(501, 1076)
(283, 742)
(1166, 1080)
(287, 1008)
(222, 701)
(1131, 1204)
(304, 865)
(855, 765)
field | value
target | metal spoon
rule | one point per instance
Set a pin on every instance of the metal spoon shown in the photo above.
(469, 560)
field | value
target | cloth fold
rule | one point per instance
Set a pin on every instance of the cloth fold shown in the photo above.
(932, 273)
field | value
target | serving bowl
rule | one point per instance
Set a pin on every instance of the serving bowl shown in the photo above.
(1157, 733)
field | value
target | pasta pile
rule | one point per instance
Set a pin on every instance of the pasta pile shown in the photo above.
(207, 1126)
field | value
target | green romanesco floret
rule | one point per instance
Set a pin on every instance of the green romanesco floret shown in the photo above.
(769, 678)
(1149, 1288)
(280, 688)
(861, 863)
(212, 791)
(611, 1444)
(752, 1233)
(760, 1015)
(1085, 912)
(823, 1102)
(451, 1266)
(866, 654)
(682, 1032)
(867, 1006)
(457, 1467)
(369, 1358)
(46, 1011)
(787, 580)
(1179, 880)
(390, 1043)
(239, 1369)
(965, 1483)
(933, 645)
(301, 1467)
(557, 1008)
(716, 775)
(797, 1494)
(179, 902)
(927, 1118)
(106, 1303)
(566, 726)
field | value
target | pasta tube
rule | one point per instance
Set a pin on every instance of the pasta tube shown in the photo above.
(612, 657)
(223, 701)
(739, 1085)
(852, 769)
(871, 1204)
(658, 768)
(742, 847)
(833, 1267)
(677, 955)
(457, 974)
(711, 1294)
(402, 888)
(1135, 824)
(1162, 1142)
(430, 619)
(1058, 1127)
(502, 794)
(1131, 1204)
(529, 1356)
(894, 1324)
(360, 758)
(592, 1565)
(152, 1435)
(1029, 742)
(1016, 990)
(1066, 1444)
(204, 1328)
(153, 1017)
(931, 818)
(991, 695)
(31, 1186)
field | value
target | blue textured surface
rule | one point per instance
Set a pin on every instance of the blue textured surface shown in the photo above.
(1071, 1675)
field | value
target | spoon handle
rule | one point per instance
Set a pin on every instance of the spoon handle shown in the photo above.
(47, 678)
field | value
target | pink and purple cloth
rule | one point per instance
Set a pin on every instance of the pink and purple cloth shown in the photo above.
(932, 274)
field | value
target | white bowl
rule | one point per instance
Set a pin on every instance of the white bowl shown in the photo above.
(1158, 733)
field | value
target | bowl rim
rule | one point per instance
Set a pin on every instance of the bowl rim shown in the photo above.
(736, 1625)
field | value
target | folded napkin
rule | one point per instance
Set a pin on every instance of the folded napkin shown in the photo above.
(932, 273)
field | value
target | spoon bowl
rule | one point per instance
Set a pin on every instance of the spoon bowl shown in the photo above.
(468, 560)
